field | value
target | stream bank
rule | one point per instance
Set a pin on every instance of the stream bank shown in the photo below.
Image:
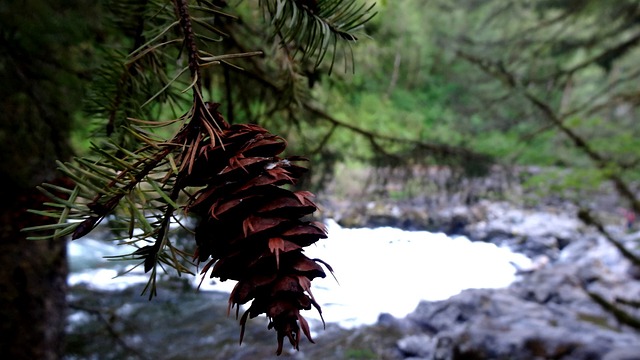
(546, 314)
(549, 312)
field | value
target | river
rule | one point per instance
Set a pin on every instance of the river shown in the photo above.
(381, 270)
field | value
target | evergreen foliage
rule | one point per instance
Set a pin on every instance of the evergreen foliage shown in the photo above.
(146, 173)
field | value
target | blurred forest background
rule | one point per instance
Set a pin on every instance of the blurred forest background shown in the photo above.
(467, 85)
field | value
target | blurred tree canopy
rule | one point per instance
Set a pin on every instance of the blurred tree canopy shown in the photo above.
(552, 84)
(556, 83)
(461, 83)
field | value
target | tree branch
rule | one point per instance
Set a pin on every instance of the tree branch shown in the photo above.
(182, 9)
(498, 71)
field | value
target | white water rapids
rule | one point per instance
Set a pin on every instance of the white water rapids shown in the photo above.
(382, 270)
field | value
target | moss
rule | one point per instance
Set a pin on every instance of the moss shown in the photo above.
(358, 353)
(600, 321)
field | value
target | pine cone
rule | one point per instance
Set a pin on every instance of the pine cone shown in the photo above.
(252, 230)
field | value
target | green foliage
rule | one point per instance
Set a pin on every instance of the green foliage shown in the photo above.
(148, 119)
(431, 75)
(314, 25)
(531, 84)
(412, 81)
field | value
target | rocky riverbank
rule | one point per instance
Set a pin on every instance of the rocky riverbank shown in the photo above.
(553, 311)
(548, 313)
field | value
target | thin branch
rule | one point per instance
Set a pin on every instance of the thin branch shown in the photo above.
(621, 315)
(439, 149)
(189, 39)
(498, 71)
(587, 218)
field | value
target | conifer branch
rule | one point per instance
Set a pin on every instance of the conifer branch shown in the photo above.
(312, 27)
(182, 9)
(250, 228)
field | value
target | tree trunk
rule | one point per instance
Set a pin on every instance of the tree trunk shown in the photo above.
(43, 63)
(32, 286)
(36, 103)
(33, 273)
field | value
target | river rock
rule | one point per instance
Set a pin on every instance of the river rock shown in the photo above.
(547, 314)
